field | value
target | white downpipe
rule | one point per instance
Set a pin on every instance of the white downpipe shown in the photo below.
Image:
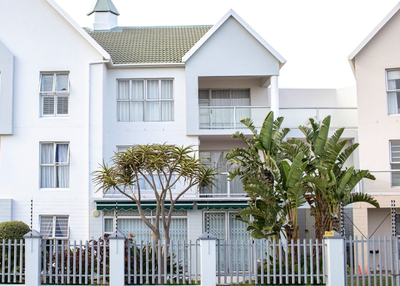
(275, 95)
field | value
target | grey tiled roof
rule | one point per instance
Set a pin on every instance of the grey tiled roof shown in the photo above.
(134, 45)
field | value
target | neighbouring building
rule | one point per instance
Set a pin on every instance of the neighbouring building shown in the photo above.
(70, 97)
(376, 66)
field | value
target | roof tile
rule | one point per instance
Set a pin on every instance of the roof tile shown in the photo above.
(140, 45)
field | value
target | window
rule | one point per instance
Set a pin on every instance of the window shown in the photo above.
(54, 227)
(223, 225)
(395, 162)
(145, 100)
(54, 94)
(393, 91)
(217, 159)
(223, 108)
(129, 222)
(54, 165)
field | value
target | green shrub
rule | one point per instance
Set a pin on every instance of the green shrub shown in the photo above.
(13, 230)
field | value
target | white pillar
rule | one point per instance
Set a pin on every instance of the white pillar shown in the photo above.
(275, 95)
(33, 240)
(335, 268)
(117, 259)
(208, 259)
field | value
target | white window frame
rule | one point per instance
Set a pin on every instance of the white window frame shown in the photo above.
(392, 162)
(53, 94)
(150, 216)
(54, 164)
(54, 217)
(145, 99)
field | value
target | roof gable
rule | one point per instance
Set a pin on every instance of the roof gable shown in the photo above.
(233, 14)
(79, 29)
(371, 35)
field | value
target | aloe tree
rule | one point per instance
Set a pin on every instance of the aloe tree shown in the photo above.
(273, 184)
(169, 170)
(328, 181)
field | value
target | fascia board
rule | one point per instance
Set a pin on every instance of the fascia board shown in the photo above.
(375, 31)
(79, 29)
(233, 14)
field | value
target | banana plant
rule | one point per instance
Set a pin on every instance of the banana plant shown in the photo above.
(329, 182)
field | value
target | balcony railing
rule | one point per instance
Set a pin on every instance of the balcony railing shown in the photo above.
(228, 117)
(340, 116)
(224, 188)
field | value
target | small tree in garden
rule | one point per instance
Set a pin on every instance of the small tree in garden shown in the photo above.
(13, 230)
(169, 170)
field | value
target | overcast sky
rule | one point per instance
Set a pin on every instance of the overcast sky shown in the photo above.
(314, 36)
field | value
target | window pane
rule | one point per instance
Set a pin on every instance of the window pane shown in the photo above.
(48, 105)
(62, 176)
(62, 82)
(240, 97)
(217, 224)
(61, 227)
(167, 110)
(137, 227)
(46, 226)
(62, 105)
(108, 225)
(220, 98)
(153, 111)
(152, 89)
(123, 111)
(166, 89)
(47, 153)
(137, 89)
(47, 83)
(61, 153)
(204, 95)
(47, 177)
(237, 229)
(137, 113)
(123, 90)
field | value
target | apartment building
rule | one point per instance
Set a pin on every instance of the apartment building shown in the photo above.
(376, 66)
(71, 97)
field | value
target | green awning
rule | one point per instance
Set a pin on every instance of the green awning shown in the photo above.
(131, 205)
(222, 205)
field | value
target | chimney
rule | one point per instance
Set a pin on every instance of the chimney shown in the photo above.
(105, 15)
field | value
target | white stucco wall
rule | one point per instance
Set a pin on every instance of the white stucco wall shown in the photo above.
(230, 51)
(6, 90)
(45, 42)
(376, 127)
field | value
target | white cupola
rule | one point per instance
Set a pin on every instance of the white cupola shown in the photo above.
(105, 17)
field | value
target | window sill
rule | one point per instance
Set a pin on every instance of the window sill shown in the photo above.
(54, 189)
(55, 117)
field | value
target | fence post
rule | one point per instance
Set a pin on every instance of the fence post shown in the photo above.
(117, 259)
(335, 267)
(33, 240)
(208, 259)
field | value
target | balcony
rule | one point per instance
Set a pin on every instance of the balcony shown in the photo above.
(228, 117)
(224, 188)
